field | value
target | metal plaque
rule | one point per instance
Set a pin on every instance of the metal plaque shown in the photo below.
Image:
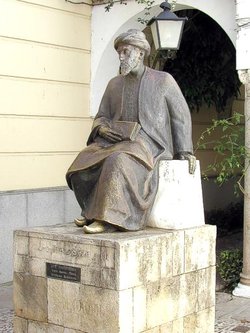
(62, 272)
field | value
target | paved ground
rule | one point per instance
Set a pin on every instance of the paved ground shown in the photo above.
(232, 313)
(6, 309)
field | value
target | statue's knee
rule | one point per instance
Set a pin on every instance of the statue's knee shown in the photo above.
(116, 159)
(74, 179)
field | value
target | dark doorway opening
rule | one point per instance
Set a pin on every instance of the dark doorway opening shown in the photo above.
(205, 65)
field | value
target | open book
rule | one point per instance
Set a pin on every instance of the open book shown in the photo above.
(128, 129)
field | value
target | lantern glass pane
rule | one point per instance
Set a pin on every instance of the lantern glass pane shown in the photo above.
(155, 34)
(170, 32)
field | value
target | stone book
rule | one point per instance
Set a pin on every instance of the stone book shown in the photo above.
(128, 129)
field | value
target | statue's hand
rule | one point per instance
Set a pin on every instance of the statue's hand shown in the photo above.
(187, 156)
(109, 134)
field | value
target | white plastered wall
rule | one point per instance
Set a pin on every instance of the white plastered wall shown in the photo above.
(106, 26)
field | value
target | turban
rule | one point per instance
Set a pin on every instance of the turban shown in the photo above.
(133, 37)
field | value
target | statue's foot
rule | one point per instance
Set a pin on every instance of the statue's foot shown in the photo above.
(98, 227)
(80, 221)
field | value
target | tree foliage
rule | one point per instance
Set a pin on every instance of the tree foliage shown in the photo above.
(230, 148)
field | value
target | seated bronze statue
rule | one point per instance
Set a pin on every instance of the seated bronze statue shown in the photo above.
(143, 117)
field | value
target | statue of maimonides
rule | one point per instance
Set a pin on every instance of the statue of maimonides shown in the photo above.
(115, 177)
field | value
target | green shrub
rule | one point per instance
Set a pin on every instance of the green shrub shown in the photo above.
(229, 266)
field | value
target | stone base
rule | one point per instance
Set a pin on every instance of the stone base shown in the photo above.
(242, 291)
(153, 281)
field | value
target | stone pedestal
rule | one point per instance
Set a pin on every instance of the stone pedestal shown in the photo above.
(153, 281)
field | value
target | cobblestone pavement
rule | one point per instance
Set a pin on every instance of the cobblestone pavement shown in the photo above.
(232, 314)
(228, 325)
(6, 318)
(6, 309)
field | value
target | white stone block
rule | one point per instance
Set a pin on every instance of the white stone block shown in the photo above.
(205, 286)
(200, 254)
(20, 325)
(178, 203)
(140, 308)
(64, 303)
(194, 323)
(178, 246)
(68, 252)
(144, 260)
(21, 245)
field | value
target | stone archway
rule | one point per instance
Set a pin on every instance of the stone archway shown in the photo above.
(105, 26)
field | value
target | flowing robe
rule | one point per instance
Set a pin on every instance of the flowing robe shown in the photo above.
(117, 182)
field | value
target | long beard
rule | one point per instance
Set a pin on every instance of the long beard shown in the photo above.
(125, 68)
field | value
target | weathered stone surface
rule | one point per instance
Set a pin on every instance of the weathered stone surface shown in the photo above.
(130, 282)
(140, 308)
(38, 327)
(174, 207)
(178, 325)
(106, 311)
(171, 299)
(91, 276)
(89, 308)
(21, 263)
(187, 296)
(175, 326)
(200, 322)
(21, 245)
(153, 330)
(63, 251)
(109, 279)
(37, 267)
(20, 325)
(108, 257)
(30, 297)
(64, 303)
(199, 254)
(167, 328)
(126, 318)
(153, 260)
(205, 288)
(161, 298)
(178, 248)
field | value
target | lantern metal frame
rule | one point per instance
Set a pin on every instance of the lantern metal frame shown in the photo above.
(169, 16)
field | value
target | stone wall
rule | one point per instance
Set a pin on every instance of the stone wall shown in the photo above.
(21, 209)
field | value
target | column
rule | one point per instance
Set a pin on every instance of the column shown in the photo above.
(243, 67)
(243, 288)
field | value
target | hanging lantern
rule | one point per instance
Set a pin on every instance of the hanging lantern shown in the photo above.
(167, 29)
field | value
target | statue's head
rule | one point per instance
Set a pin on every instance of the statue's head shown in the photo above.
(132, 47)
